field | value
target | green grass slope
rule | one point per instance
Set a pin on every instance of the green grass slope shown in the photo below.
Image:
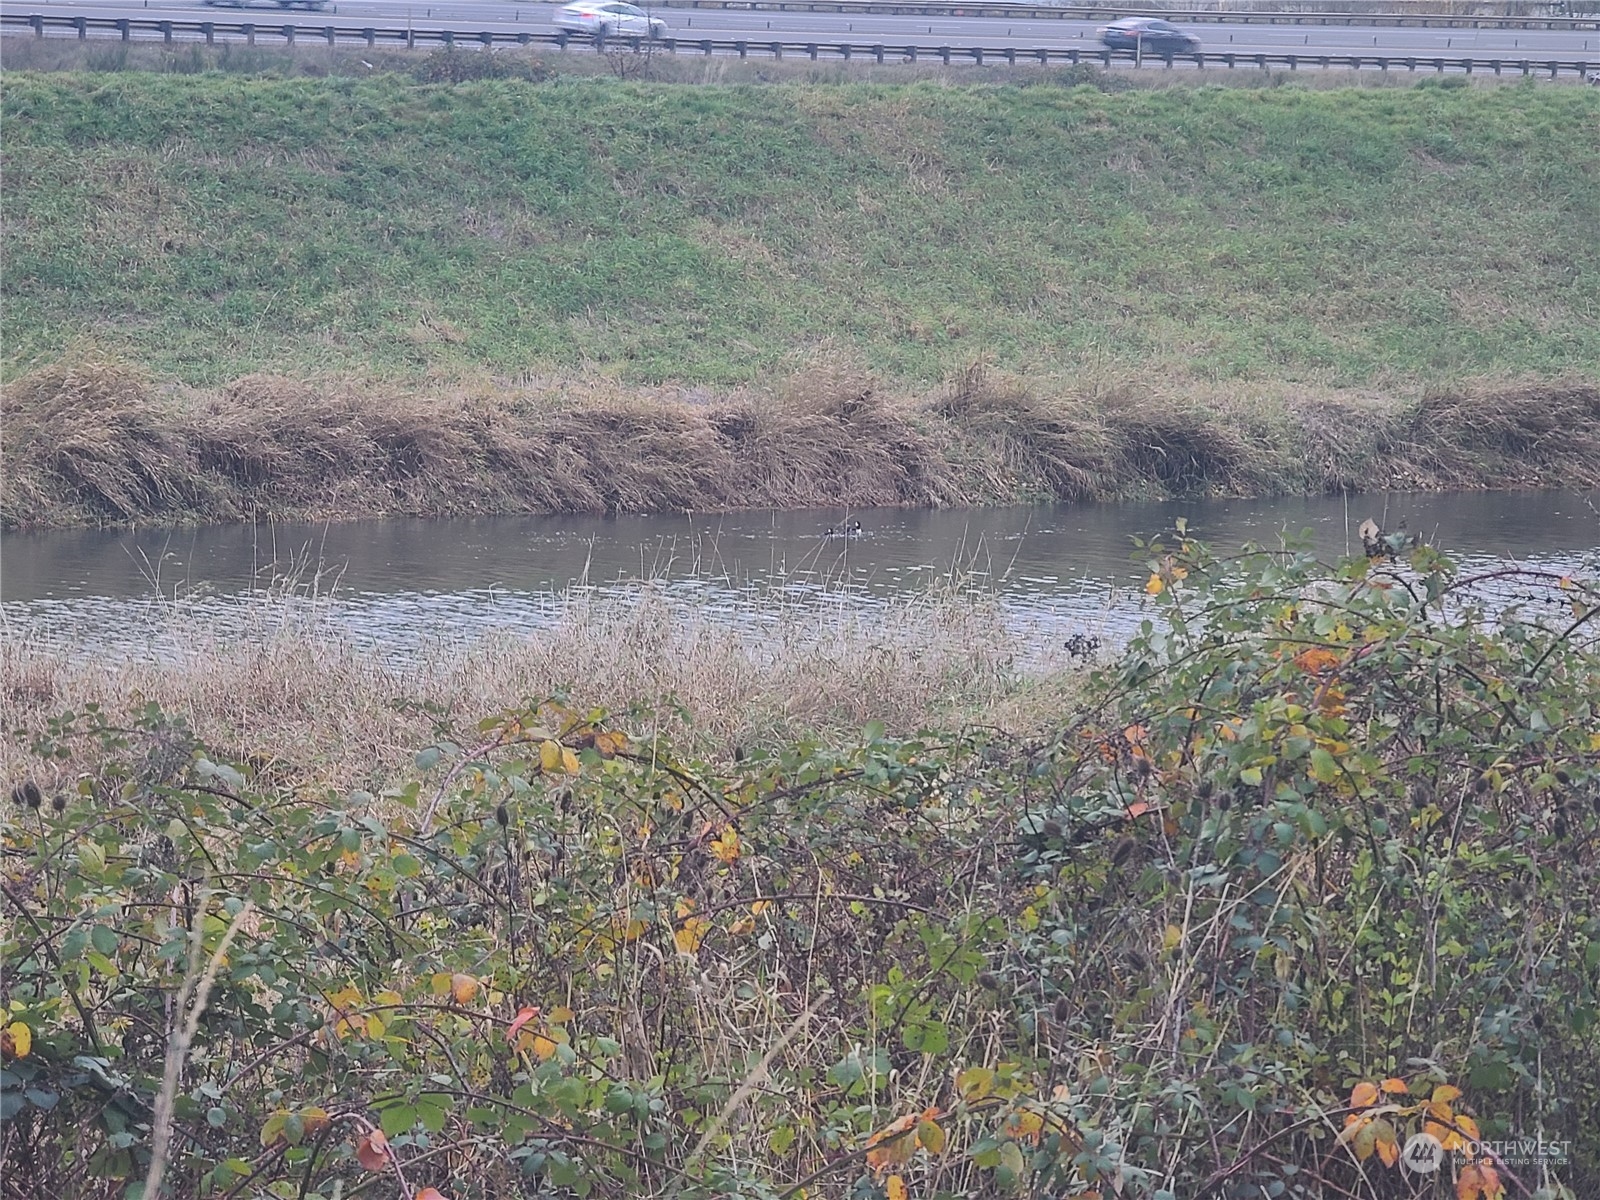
(211, 226)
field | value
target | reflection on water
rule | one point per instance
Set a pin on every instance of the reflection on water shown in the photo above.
(1055, 569)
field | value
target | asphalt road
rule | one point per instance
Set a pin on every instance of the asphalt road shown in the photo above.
(1020, 32)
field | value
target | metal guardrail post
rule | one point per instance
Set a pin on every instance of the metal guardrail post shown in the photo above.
(411, 38)
(1438, 66)
(705, 45)
(449, 38)
(82, 25)
(486, 38)
(166, 31)
(371, 35)
(1261, 61)
(1383, 64)
(811, 49)
(249, 34)
(776, 49)
(207, 28)
(1555, 69)
(1227, 58)
(911, 54)
(327, 32)
(944, 53)
(1011, 56)
(743, 49)
(844, 52)
(1411, 65)
(1072, 56)
(288, 34)
(977, 55)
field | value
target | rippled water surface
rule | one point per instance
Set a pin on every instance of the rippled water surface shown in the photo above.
(1054, 569)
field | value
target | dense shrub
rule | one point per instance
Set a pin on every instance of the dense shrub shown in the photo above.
(1313, 871)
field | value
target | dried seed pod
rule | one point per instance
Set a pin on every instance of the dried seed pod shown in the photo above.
(1480, 785)
(1051, 827)
(1205, 789)
(1062, 1009)
(1123, 850)
(501, 817)
(1562, 776)
(989, 980)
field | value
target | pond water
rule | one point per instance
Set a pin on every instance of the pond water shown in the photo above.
(1053, 569)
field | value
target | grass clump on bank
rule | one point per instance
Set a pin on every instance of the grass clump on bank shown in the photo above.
(215, 226)
(93, 442)
(1306, 870)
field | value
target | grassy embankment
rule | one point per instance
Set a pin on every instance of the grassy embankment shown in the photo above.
(346, 297)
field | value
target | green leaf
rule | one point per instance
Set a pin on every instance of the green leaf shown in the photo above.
(104, 939)
(1323, 767)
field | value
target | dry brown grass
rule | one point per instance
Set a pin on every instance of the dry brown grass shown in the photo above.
(90, 441)
(295, 685)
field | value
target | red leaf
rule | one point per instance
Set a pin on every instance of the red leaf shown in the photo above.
(524, 1014)
(372, 1150)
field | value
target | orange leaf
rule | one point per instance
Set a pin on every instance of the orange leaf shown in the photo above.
(1445, 1093)
(895, 1188)
(431, 1194)
(726, 847)
(524, 1015)
(1363, 1095)
(372, 1150)
(1138, 808)
(1479, 1181)
(1389, 1152)
(463, 988)
(1316, 660)
(1469, 1129)
(1395, 1086)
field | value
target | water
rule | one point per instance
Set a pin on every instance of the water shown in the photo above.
(1055, 570)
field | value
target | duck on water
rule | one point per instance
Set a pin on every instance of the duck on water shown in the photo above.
(850, 530)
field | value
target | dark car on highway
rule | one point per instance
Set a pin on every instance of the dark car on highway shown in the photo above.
(1150, 35)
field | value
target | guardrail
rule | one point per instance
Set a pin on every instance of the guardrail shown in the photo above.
(878, 52)
(1108, 12)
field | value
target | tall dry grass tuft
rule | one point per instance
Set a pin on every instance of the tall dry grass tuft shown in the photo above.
(1512, 436)
(290, 677)
(90, 441)
(1012, 442)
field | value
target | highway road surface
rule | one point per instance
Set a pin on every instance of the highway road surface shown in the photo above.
(509, 16)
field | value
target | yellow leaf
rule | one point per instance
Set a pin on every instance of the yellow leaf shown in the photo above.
(931, 1136)
(975, 1083)
(759, 907)
(1445, 1093)
(569, 762)
(463, 988)
(1363, 1095)
(16, 1040)
(895, 1188)
(611, 743)
(1026, 1124)
(550, 756)
(743, 927)
(726, 846)
(1469, 1129)
(684, 907)
(1171, 937)
(1154, 586)
(688, 938)
(1395, 1086)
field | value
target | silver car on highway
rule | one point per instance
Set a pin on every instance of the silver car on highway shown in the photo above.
(609, 18)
